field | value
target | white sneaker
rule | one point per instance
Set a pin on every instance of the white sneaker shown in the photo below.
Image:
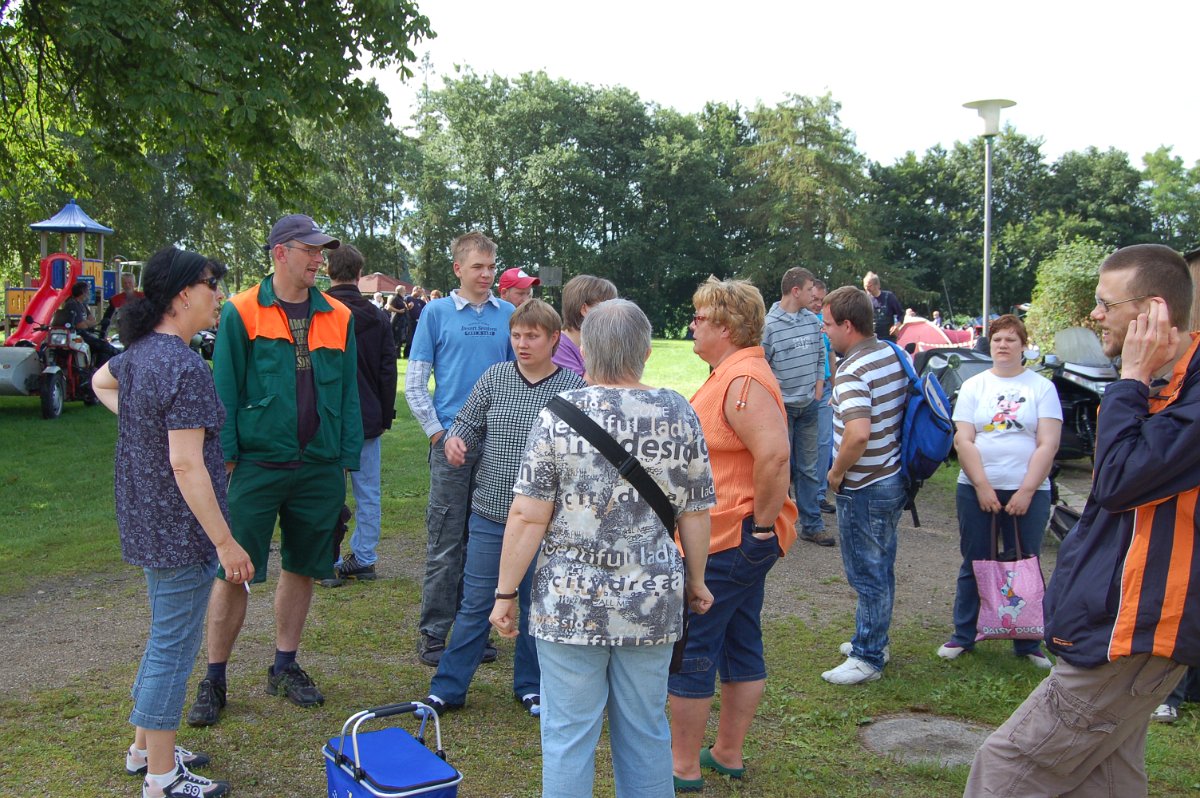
(1039, 659)
(1165, 714)
(185, 785)
(950, 650)
(852, 671)
(847, 649)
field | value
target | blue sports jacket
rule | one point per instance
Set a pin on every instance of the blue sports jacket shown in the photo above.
(1128, 576)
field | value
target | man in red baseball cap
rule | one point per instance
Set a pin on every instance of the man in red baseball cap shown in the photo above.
(516, 286)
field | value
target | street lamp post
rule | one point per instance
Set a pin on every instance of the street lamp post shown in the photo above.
(989, 110)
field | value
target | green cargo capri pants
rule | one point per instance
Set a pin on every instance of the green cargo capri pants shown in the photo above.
(306, 501)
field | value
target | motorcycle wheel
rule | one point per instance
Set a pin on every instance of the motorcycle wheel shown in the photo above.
(53, 389)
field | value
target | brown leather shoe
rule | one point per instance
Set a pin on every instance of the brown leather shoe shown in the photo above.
(822, 538)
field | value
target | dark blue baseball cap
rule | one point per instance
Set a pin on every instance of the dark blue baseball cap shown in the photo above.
(299, 227)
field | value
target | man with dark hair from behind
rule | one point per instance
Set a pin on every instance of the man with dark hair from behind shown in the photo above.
(377, 398)
(416, 303)
(1121, 606)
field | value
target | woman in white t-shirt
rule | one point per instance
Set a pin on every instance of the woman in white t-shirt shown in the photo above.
(1008, 423)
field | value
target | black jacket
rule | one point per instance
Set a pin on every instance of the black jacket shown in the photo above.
(376, 360)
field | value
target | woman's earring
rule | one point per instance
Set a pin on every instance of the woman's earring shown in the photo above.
(187, 306)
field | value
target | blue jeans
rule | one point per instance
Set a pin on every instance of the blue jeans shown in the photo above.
(975, 542)
(728, 637)
(802, 433)
(867, 519)
(578, 684)
(367, 515)
(469, 635)
(824, 441)
(450, 490)
(178, 603)
(1188, 689)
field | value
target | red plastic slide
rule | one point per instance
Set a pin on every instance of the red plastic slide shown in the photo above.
(47, 300)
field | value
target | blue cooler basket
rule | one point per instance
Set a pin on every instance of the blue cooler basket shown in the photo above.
(389, 763)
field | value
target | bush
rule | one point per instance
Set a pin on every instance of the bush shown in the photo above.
(1065, 292)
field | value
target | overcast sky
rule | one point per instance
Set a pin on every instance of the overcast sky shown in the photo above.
(1082, 73)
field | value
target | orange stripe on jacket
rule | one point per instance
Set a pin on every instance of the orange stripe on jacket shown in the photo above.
(259, 321)
(1132, 573)
(326, 330)
(329, 330)
(1179, 574)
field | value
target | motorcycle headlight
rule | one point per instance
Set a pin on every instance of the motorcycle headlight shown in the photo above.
(58, 338)
(1095, 386)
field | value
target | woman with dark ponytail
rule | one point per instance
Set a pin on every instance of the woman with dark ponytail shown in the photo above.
(170, 496)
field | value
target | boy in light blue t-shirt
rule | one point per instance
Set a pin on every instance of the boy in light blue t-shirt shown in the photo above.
(458, 338)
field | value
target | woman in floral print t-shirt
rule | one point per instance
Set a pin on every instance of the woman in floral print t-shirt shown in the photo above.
(170, 499)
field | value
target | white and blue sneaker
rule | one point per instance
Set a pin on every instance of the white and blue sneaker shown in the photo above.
(186, 784)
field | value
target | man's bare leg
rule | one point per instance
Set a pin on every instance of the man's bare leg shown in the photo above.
(226, 614)
(292, 600)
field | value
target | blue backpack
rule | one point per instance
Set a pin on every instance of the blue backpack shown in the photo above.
(927, 435)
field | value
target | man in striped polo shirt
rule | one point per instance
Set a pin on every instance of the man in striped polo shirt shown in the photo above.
(794, 349)
(869, 389)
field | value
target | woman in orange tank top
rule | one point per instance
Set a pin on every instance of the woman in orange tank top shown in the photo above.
(745, 426)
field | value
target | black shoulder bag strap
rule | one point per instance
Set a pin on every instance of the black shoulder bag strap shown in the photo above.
(629, 467)
(626, 464)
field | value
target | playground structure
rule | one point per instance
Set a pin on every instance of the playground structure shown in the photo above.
(19, 301)
(36, 359)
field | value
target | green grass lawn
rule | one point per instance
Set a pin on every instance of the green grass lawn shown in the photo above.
(359, 645)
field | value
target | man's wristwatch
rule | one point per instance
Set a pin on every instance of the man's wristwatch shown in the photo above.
(762, 530)
(506, 596)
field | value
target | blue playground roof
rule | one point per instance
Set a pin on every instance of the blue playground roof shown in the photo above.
(71, 219)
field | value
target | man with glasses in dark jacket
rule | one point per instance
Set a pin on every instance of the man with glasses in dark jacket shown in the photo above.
(1121, 609)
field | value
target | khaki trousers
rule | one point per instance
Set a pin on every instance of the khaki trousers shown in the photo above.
(1081, 733)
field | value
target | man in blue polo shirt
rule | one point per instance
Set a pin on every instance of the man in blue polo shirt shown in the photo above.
(458, 338)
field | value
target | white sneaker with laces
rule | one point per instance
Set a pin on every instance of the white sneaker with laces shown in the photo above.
(1165, 714)
(847, 649)
(185, 785)
(852, 671)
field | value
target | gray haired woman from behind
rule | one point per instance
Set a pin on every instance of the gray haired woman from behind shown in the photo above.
(610, 585)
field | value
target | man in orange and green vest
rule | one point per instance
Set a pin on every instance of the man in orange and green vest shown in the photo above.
(285, 365)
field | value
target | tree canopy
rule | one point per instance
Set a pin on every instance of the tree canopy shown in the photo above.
(212, 94)
(200, 123)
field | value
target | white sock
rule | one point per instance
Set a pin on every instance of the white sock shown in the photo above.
(156, 783)
(136, 757)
